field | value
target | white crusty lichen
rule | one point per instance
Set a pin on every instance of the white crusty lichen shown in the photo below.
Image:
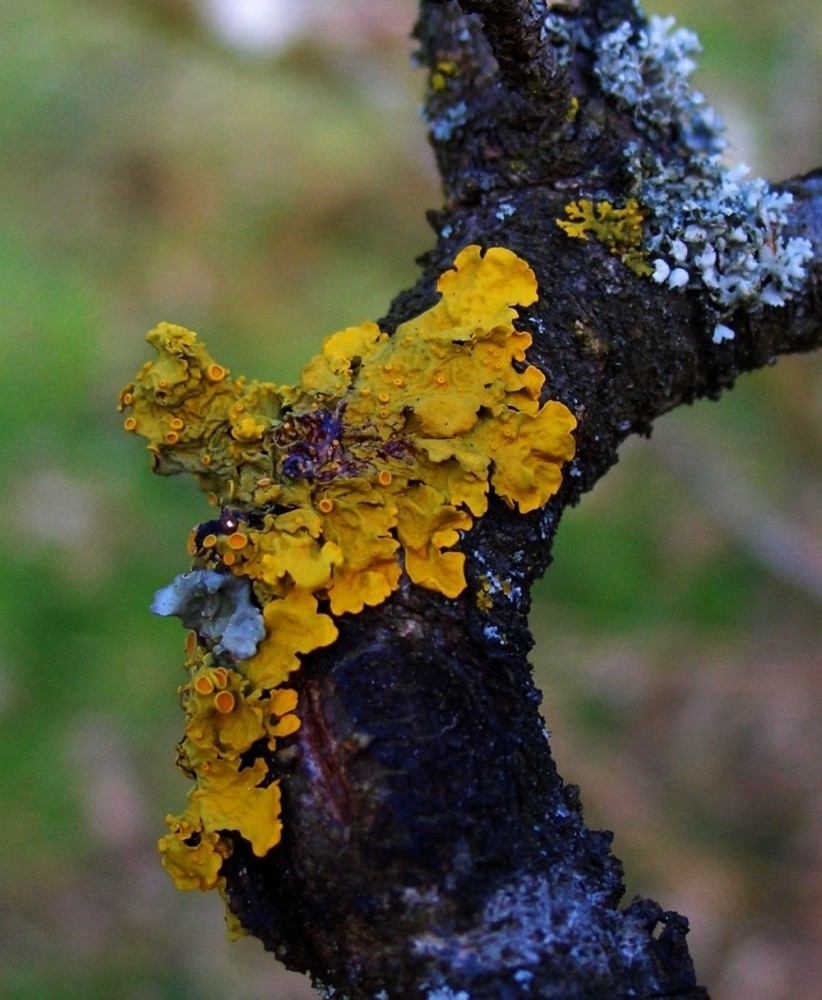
(722, 332)
(446, 123)
(559, 913)
(556, 32)
(446, 993)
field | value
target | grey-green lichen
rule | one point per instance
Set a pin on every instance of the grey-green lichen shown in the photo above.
(647, 72)
(705, 225)
(708, 226)
(220, 609)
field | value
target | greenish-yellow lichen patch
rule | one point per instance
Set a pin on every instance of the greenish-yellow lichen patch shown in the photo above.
(619, 229)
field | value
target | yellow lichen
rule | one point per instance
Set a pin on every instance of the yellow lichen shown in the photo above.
(227, 719)
(482, 596)
(620, 229)
(375, 465)
(191, 856)
(293, 625)
(232, 797)
(441, 73)
(284, 700)
(234, 929)
(427, 526)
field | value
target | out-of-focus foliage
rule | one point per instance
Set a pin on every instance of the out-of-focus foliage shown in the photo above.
(151, 172)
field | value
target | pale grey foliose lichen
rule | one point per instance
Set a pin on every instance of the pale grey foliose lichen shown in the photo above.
(218, 607)
(706, 225)
(647, 72)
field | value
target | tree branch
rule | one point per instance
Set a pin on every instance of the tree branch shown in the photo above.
(429, 847)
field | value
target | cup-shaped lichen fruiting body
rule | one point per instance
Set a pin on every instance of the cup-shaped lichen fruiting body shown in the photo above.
(375, 464)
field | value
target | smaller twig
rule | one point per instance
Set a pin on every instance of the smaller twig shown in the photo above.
(513, 29)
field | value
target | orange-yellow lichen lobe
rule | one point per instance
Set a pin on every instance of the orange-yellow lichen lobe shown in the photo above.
(286, 726)
(232, 799)
(193, 856)
(293, 625)
(283, 701)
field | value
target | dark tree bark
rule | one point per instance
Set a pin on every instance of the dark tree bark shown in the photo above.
(430, 847)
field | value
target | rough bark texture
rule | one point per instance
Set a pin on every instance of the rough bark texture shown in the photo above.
(430, 847)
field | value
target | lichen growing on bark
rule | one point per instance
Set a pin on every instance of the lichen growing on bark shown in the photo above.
(373, 466)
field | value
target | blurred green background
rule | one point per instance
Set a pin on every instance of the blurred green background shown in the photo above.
(265, 186)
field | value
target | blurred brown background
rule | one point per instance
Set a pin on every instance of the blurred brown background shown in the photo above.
(258, 171)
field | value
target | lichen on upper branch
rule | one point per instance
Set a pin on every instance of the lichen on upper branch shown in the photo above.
(705, 226)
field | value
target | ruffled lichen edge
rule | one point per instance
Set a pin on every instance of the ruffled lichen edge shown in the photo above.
(371, 468)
